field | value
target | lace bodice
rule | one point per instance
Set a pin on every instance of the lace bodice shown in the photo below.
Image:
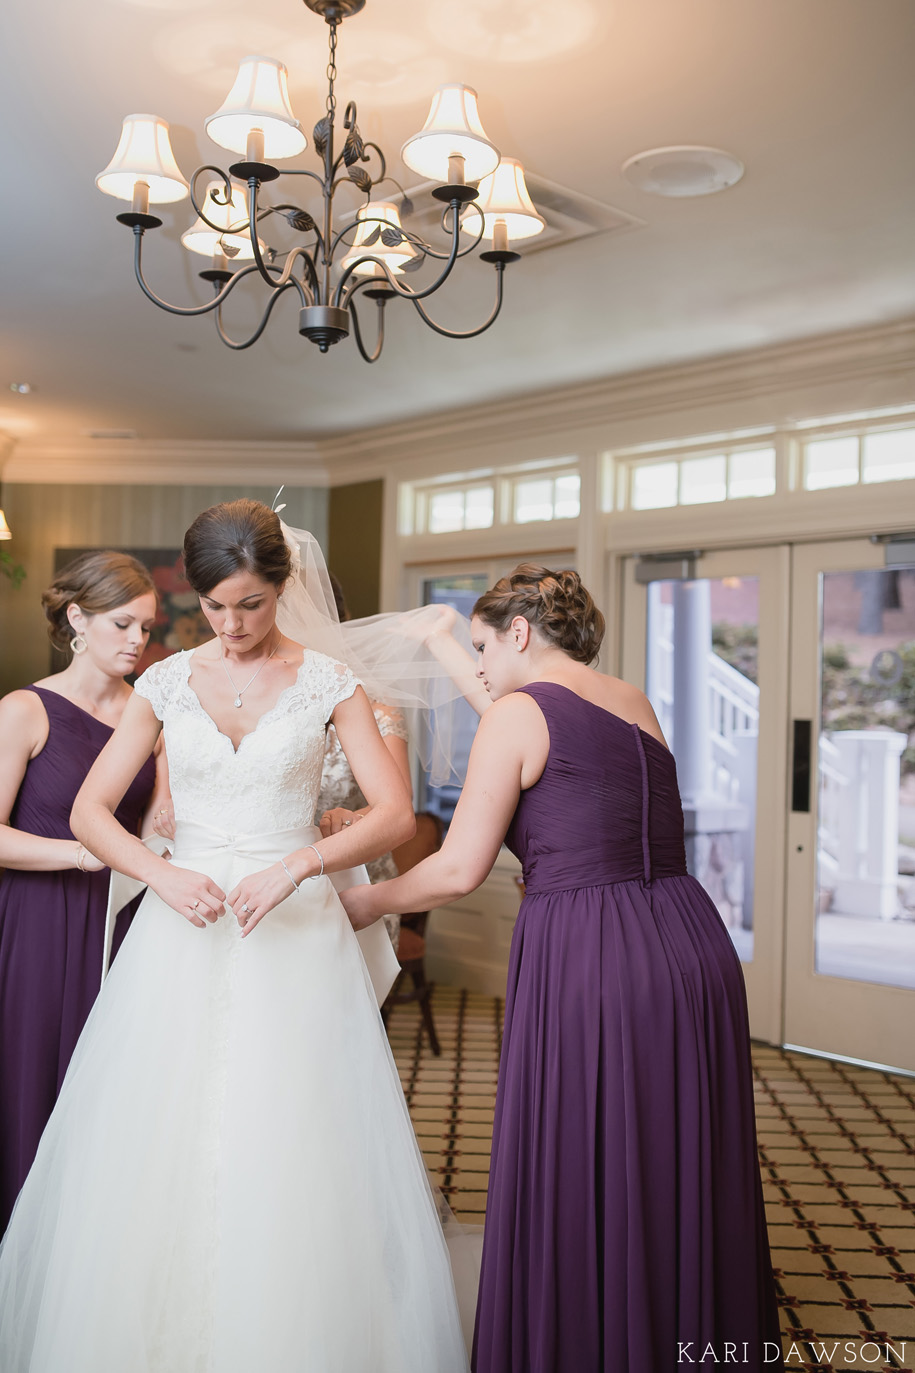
(272, 782)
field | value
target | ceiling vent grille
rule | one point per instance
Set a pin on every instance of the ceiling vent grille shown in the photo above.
(569, 215)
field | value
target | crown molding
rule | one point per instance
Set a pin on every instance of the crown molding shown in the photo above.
(796, 377)
(859, 356)
(141, 462)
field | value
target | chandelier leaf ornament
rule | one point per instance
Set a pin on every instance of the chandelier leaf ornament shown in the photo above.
(373, 256)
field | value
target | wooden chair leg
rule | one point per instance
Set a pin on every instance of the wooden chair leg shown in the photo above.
(424, 996)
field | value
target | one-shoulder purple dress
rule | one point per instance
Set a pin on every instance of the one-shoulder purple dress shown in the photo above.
(625, 1229)
(52, 927)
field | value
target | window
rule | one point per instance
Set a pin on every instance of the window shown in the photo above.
(889, 456)
(831, 462)
(547, 498)
(845, 460)
(543, 489)
(468, 507)
(702, 480)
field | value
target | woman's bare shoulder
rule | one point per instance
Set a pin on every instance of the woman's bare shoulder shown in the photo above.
(23, 717)
(631, 704)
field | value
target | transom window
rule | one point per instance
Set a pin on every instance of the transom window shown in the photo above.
(523, 494)
(469, 507)
(547, 498)
(849, 459)
(699, 480)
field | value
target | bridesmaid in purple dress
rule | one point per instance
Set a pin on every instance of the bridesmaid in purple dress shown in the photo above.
(54, 893)
(625, 1230)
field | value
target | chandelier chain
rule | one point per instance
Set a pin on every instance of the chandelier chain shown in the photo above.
(332, 74)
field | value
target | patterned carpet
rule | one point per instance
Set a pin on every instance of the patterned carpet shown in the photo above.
(837, 1152)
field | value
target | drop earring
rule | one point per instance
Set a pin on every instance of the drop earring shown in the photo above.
(77, 645)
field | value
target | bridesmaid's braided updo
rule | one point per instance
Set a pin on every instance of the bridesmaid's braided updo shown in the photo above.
(237, 536)
(97, 581)
(555, 603)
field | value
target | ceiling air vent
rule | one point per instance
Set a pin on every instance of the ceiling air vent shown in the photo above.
(569, 215)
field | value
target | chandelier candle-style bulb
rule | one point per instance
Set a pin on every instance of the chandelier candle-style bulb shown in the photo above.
(5, 531)
(377, 215)
(258, 102)
(144, 154)
(504, 200)
(452, 130)
(232, 239)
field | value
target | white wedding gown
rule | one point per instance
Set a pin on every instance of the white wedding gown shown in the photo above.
(230, 1182)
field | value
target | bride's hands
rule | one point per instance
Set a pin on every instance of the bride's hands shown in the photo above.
(359, 905)
(191, 894)
(256, 895)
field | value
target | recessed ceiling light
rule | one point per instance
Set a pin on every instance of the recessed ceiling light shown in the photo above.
(683, 171)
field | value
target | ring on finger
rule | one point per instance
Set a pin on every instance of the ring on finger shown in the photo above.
(347, 822)
(246, 908)
(195, 905)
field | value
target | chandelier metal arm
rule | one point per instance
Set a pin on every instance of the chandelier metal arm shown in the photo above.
(222, 293)
(260, 265)
(468, 333)
(246, 343)
(357, 332)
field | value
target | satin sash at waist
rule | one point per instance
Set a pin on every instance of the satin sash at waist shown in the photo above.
(193, 839)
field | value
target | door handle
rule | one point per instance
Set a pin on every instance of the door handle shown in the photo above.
(800, 766)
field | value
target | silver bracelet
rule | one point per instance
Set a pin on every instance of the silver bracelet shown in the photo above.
(289, 875)
(314, 877)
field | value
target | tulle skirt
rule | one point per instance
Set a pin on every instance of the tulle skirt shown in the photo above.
(230, 1179)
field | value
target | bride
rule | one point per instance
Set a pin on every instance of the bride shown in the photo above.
(230, 1180)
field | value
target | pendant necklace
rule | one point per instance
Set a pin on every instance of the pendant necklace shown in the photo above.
(240, 692)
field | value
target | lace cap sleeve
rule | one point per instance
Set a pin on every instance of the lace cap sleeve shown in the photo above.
(390, 721)
(339, 686)
(157, 683)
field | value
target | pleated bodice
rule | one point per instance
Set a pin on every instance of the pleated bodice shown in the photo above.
(606, 808)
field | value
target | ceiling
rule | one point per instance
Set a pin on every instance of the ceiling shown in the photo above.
(816, 97)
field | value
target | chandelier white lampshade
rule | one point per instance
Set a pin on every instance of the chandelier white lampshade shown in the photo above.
(259, 99)
(368, 219)
(144, 154)
(503, 195)
(5, 531)
(453, 129)
(200, 238)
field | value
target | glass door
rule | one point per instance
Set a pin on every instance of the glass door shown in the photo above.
(850, 969)
(703, 635)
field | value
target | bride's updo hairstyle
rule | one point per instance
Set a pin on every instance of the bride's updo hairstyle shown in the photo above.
(97, 581)
(237, 536)
(555, 603)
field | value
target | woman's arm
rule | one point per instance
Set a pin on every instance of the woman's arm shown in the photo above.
(23, 734)
(388, 820)
(435, 626)
(192, 894)
(509, 753)
(159, 816)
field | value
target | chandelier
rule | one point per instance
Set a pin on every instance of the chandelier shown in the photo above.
(373, 256)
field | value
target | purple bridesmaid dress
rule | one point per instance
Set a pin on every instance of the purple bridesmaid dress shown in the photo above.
(625, 1230)
(52, 927)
